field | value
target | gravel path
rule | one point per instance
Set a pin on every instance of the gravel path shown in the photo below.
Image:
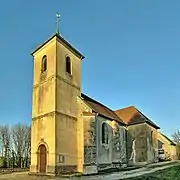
(112, 176)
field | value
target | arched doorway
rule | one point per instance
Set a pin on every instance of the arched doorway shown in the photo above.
(42, 158)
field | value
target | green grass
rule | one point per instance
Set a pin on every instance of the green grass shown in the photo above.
(172, 173)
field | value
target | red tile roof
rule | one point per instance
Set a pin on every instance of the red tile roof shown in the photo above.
(101, 109)
(131, 115)
(88, 114)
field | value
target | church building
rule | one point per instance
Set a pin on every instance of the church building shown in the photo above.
(72, 132)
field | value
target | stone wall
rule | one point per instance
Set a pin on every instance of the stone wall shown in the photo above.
(152, 142)
(105, 152)
(112, 154)
(10, 170)
(99, 155)
(90, 145)
(141, 144)
(119, 143)
(89, 140)
(169, 149)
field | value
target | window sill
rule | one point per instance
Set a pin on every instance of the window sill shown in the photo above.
(43, 76)
(68, 74)
(43, 73)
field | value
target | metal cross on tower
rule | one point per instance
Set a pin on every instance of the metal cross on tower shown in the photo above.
(57, 22)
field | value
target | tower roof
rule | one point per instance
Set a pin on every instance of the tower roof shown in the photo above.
(61, 39)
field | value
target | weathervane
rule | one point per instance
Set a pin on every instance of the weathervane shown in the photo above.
(57, 22)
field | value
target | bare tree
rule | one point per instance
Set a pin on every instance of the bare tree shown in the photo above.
(5, 142)
(21, 144)
(176, 139)
(28, 149)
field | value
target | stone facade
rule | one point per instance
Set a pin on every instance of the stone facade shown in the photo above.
(99, 156)
(112, 154)
(77, 133)
(119, 144)
(142, 144)
(90, 141)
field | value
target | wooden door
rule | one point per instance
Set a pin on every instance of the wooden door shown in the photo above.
(42, 159)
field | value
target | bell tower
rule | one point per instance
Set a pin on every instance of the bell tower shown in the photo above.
(56, 86)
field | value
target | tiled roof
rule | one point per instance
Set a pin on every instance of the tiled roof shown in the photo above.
(101, 109)
(131, 115)
(171, 142)
(88, 114)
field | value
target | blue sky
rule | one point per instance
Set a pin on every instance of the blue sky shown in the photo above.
(132, 51)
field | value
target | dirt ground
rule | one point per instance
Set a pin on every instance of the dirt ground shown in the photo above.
(24, 176)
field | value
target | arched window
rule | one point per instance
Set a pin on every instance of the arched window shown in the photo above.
(104, 131)
(44, 64)
(68, 65)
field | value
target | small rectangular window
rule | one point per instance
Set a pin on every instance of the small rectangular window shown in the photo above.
(61, 159)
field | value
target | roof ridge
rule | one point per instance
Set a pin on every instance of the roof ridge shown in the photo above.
(96, 101)
(62, 39)
(166, 137)
(106, 111)
(131, 106)
(136, 111)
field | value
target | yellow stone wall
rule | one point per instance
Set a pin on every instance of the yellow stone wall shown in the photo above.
(82, 107)
(54, 106)
(43, 105)
(170, 150)
(67, 91)
(50, 50)
(66, 139)
(173, 152)
(154, 136)
(146, 148)
(62, 52)
(43, 128)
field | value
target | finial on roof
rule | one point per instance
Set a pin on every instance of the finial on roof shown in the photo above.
(57, 22)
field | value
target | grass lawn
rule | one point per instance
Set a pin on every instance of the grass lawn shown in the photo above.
(172, 173)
